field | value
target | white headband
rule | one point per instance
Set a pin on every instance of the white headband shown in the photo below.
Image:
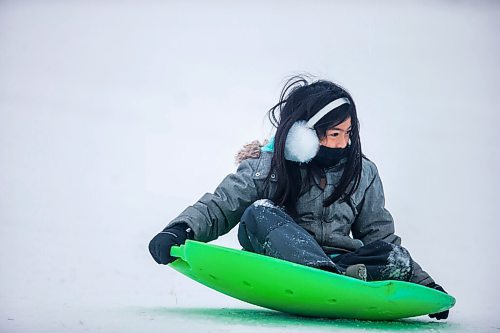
(327, 108)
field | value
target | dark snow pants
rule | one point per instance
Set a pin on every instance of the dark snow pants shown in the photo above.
(267, 229)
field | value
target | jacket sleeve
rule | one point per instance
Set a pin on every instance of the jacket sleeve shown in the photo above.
(374, 222)
(215, 214)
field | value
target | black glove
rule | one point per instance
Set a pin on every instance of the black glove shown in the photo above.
(439, 315)
(160, 245)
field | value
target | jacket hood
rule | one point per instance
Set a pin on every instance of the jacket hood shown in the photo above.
(250, 150)
(255, 148)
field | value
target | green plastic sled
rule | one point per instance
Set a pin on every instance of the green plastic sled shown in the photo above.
(288, 287)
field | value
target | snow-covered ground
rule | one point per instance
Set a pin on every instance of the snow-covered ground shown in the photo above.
(115, 116)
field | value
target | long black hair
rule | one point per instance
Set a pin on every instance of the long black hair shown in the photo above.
(300, 100)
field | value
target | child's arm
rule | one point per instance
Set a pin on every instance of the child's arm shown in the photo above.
(374, 222)
(214, 214)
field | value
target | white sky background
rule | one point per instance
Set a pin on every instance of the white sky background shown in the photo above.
(116, 116)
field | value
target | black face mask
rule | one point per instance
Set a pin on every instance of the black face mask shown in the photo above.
(328, 157)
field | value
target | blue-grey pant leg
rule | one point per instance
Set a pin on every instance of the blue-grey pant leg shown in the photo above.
(267, 229)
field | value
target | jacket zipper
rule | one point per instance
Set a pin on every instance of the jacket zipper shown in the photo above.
(323, 209)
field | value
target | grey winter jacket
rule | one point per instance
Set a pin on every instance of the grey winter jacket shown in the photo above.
(363, 215)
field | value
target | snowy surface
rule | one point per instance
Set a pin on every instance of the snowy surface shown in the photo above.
(115, 116)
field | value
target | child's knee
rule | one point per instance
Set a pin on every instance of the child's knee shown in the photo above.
(403, 256)
(262, 204)
(255, 211)
(261, 217)
(401, 263)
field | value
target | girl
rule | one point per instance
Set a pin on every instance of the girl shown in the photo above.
(302, 195)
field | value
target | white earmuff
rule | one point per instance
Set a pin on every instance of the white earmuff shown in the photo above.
(302, 143)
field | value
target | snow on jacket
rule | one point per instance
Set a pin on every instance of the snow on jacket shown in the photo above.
(363, 214)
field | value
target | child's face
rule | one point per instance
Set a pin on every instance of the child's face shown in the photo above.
(338, 136)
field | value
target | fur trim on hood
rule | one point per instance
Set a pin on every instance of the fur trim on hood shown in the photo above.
(250, 150)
